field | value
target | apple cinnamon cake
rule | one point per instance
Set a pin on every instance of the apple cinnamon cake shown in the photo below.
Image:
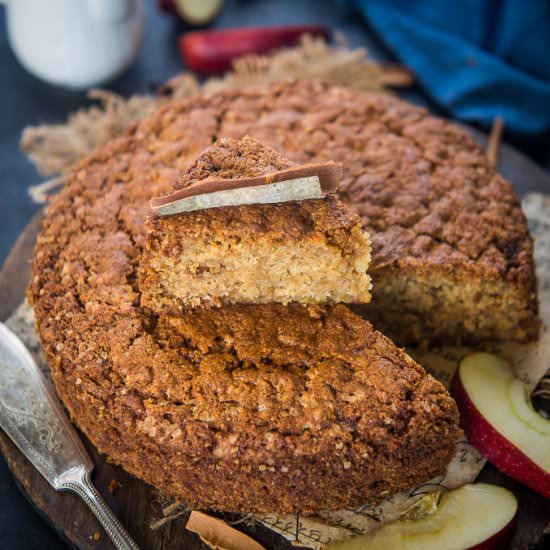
(267, 407)
(235, 250)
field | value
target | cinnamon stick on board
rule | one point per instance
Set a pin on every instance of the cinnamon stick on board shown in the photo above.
(218, 534)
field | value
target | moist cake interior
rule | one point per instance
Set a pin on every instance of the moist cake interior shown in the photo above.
(232, 271)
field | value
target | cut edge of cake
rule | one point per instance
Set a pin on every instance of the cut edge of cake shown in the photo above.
(413, 307)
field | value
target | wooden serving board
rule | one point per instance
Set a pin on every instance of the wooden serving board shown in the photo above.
(137, 504)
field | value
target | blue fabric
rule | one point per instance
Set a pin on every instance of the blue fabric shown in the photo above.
(476, 58)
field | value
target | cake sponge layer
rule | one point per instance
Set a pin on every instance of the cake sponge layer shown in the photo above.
(310, 251)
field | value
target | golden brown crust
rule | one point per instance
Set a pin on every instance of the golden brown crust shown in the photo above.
(230, 159)
(280, 222)
(161, 396)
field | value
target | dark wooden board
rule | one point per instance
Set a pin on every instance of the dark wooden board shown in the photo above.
(136, 504)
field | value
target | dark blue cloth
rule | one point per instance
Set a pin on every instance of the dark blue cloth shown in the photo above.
(476, 58)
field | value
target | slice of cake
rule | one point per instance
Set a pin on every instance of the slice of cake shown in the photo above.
(245, 225)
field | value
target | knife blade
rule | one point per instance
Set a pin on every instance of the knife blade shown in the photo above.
(33, 418)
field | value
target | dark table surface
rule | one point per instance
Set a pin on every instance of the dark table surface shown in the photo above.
(25, 101)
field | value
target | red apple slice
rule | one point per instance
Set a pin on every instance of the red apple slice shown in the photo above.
(498, 418)
(479, 516)
(212, 51)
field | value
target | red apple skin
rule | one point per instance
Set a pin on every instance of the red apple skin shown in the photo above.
(498, 540)
(508, 458)
(212, 51)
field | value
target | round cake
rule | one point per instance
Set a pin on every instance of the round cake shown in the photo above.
(247, 409)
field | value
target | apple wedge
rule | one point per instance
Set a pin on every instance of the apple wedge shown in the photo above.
(194, 12)
(474, 516)
(498, 418)
(213, 51)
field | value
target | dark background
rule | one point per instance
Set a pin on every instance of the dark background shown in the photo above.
(25, 100)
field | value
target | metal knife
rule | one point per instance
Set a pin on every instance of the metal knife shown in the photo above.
(32, 416)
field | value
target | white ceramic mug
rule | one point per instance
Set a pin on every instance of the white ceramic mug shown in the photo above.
(75, 43)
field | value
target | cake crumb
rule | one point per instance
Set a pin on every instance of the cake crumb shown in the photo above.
(114, 486)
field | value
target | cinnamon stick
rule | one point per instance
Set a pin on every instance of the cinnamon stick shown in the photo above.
(495, 139)
(218, 535)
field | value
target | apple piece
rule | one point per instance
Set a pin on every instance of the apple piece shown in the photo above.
(476, 516)
(212, 51)
(194, 12)
(498, 418)
(298, 189)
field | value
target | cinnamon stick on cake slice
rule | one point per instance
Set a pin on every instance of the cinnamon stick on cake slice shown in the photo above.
(246, 225)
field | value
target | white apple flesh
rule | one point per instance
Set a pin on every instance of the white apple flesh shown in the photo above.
(198, 12)
(498, 418)
(477, 516)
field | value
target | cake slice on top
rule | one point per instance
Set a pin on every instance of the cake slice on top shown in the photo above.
(246, 225)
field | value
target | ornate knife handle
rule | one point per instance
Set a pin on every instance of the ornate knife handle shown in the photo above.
(78, 481)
